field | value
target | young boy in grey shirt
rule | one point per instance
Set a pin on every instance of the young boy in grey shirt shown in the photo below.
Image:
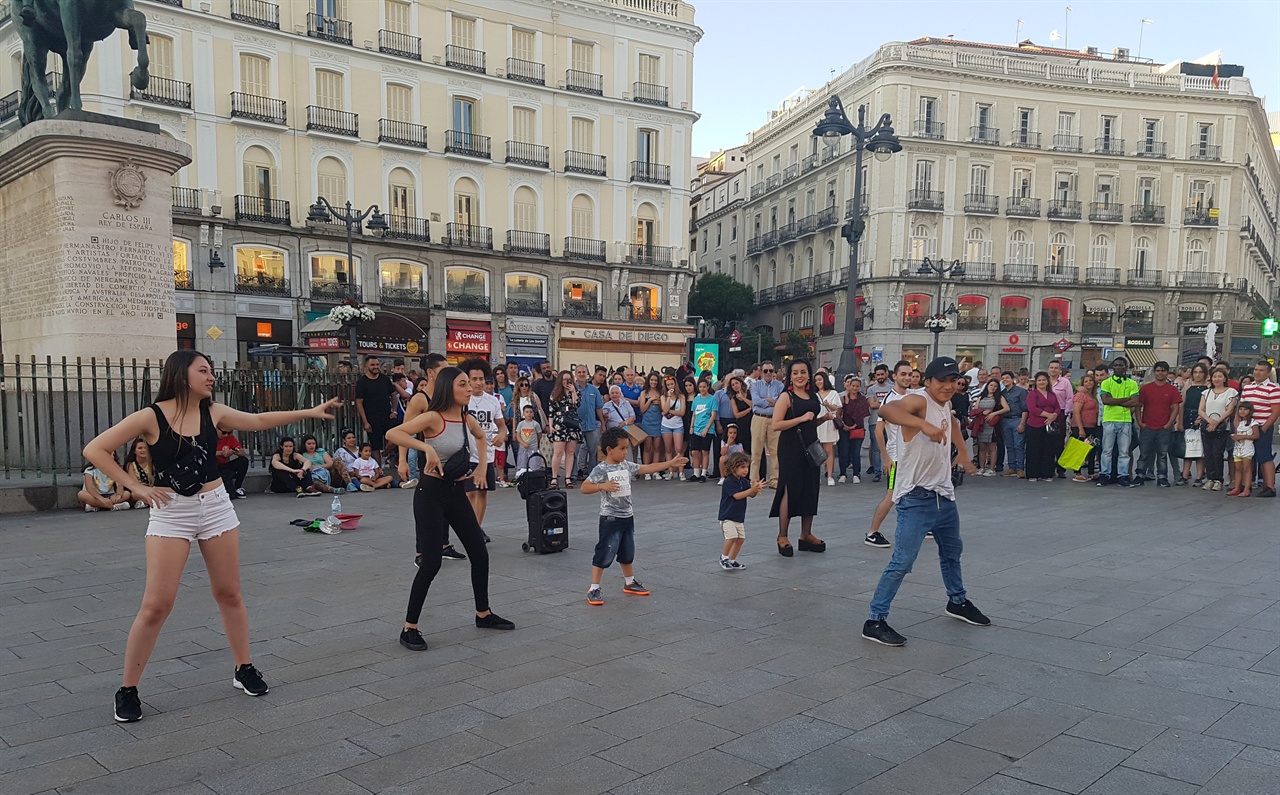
(528, 439)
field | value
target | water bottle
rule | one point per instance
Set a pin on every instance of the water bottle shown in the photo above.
(335, 508)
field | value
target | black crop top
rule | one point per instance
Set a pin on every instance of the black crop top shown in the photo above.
(194, 454)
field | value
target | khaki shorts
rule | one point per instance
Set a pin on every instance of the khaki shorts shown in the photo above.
(195, 518)
(732, 529)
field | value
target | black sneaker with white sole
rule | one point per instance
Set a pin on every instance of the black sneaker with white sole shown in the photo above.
(128, 705)
(450, 553)
(250, 681)
(881, 632)
(967, 611)
(876, 540)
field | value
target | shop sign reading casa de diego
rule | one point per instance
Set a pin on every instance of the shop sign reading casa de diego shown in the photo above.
(612, 334)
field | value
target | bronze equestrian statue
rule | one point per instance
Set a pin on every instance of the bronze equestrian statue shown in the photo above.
(70, 28)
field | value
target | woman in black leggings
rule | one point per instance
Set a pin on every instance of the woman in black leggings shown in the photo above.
(440, 501)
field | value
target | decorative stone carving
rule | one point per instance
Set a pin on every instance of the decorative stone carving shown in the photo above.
(582, 186)
(532, 96)
(318, 54)
(391, 157)
(403, 71)
(474, 85)
(515, 179)
(128, 184)
(465, 170)
(258, 137)
(255, 40)
(577, 104)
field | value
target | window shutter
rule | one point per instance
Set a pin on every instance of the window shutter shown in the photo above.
(329, 93)
(399, 103)
(255, 75)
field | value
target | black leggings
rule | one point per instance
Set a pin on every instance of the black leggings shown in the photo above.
(233, 472)
(1040, 461)
(1216, 443)
(437, 506)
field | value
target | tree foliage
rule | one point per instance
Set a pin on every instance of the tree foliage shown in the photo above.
(721, 299)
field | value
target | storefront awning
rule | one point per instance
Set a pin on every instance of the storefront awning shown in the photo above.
(1140, 357)
(322, 325)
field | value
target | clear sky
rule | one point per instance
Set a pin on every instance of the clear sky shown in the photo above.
(756, 52)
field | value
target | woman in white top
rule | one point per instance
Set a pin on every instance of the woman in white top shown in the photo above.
(828, 433)
(1217, 407)
(673, 408)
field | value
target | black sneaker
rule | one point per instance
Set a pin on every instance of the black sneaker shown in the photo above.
(486, 536)
(249, 680)
(493, 621)
(877, 477)
(128, 705)
(450, 553)
(966, 611)
(881, 632)
(1265, 492)
(417, 561)
(1102, 480)
(1162, 483)
(412, 640)
(241, 493)
(1133, 484)
(876, 540)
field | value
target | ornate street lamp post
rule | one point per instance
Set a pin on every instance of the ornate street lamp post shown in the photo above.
(881, 142)
(939, 322)
(321, 212)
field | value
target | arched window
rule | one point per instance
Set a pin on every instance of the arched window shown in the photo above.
(403, 283)
(773, 273)
(581, 298)
(791, 268)
(333, 278)
(1055, 315)
(646, 226)
(1062, 258)
(808, 262)
(402, 198)
(977, 249)
(1100, 252)
(1014, 313)
(789, 322)
(1098, 318)
(1197, 257)
(916, 309)
(831, 256)
(922, 244)
(806, 317)
(971, 313)
(259, 173)
(1021, 251)
(181, 264)
(646, 302)
(524, 210)
(466, 209)
(525, 295)
(331, 180)
(466, 289)
(1142, 256)
(582, 221)
(261, 270)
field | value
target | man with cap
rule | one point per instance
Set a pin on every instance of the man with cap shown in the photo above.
(925, 497)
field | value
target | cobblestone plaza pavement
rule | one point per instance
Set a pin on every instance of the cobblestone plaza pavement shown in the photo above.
(1135, 650)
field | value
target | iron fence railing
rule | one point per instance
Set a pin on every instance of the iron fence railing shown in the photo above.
(50, 408)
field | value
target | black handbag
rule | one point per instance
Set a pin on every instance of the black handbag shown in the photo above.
(459, 465)
(186, 474)
(814, 452)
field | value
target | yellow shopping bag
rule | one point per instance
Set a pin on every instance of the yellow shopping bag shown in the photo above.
(1074, 454)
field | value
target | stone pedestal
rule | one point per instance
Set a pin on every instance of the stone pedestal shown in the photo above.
(86, 252)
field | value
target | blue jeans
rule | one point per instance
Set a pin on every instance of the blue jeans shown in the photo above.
(1117, 435)
(849, 454)
(412, 458)
(921, 511)
(1154, 443)
(587, 452)
(875, 465)
(1015, 444)
(617, 541)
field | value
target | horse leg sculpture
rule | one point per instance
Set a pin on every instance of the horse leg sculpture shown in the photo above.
(75, 57)
(135, 22)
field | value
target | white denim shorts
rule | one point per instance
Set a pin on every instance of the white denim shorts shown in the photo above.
(196, 518)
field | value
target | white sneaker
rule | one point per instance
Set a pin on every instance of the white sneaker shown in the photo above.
(120, 506)
(842, 480)
(682, 475)
(139, 504)
(856, 479)
(987, 473)
(831, 481)
(91, 509)
(720, 482)
(411, 483)
(363, 487)
(726, 564)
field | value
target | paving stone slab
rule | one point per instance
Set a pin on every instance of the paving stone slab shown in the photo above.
(1239, 777)
(1193, 758)
(1067, 763)
(826, 771)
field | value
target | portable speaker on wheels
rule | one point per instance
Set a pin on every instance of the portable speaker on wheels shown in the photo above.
(548, 513)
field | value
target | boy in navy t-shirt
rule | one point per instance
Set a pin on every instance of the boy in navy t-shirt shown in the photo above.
(734, 491)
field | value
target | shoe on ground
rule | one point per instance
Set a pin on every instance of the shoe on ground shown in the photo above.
(449, 553)
(1217, 485)
(877, 478)
(493, 621)
(417, 561)
(876, 540)
(856, 479)
(1022, 473)
(1009, 473)
(128, 705)
(1033, 480)
(702, 478)
(90, 509)
(1080, 479)
(1103, 480)
(988, 473)
(1265, 492)
(635, 588)
(412, 640)
(1135, 483)
(881, 632)
(1208, 485)
(487, 540)
(1162, 483)
(595, 596)
(720, 482)
(249, 680)
(411, 483)
(366, 487)
(241, 493)
(121, 506)
(726, 564)
(842, 479)
(735, 565)
(353, 487)
(966, 611)
(831, 481)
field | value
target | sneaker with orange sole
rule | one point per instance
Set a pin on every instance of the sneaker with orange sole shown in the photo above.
(594, 596)
(635, 588)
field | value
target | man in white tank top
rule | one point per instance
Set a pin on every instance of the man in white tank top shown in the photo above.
(925, 497)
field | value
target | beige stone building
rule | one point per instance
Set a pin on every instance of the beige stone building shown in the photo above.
(1114, 204)
(532, 159)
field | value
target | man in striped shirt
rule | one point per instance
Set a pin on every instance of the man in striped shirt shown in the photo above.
(1264, 394)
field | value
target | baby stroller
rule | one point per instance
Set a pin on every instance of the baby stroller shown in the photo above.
(547, 509)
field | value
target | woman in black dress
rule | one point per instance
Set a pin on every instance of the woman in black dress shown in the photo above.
(796, 417)
(741, 397)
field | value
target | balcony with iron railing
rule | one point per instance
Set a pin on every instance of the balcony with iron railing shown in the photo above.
(1106, 212)
(782, 292)
(645, 254)
(828, 216)
(337, 122)
(654, 173)
(260, 210)
(466, 302)
(468, 236)
(1148, 148)
(757, 190)
(980, 134)
(584, 248)
(526, 307)
(764, 296)
(802, 286)
(791, 172)
(863, 206)
(826, 329)
(1106, 145)
(255, 283)
(1146, 214)
(930, 200)
(9, 105)
(334, 291)
(251, 106)
(1063, 210)
(464, 58)
(163, 91)
(788, 232)
(1061, 274)
(519, 242)
(401, 44)
(467, 144)
(772, 181)
(582, 308)
(648, 314)
(187, 201)
(982, 203)
(807, 225)
(649, 94)
(1143, 277)
(182, 279)
(523, 154)
(584, 82)
(1201, 151)
(1015, 323)
(526, 72)
(1053, 323)
(822, 281)
(1024, 139)
(830, 152)
(972, 322)
(1097, 274)
(584, 163)
(320, 26)
(977, 272)
(403, 133)
(1019, 272)
(769, 240)
(1064, 142)
(755, 245)
(405, 296)
(915, 322)
(256, 12)
(1203, 279)
(809, 163)
(1197, 215)
(406, 227)
(1022, 207)
(924, 128)
(1104, 325)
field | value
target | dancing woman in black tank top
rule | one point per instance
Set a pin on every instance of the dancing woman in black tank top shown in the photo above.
(188, 504)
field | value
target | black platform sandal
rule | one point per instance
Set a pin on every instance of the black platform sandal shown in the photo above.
(812, 546)
(785, 550)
